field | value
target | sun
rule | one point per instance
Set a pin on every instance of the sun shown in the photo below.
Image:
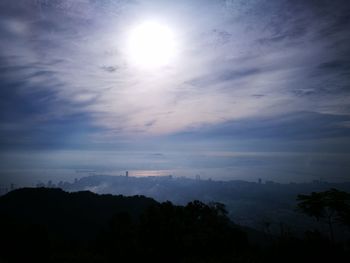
(151, 45)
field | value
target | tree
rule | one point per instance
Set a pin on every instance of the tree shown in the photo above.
(330, 206)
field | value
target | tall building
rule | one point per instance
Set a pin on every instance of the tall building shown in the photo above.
(127, 173)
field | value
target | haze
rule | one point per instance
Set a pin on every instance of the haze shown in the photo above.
(243, 89)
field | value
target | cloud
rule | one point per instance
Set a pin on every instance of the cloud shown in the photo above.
(67, 58)
(110, 69)
(288, 127)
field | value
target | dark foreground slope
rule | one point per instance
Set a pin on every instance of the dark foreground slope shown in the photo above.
(42, 225)
(78, 215)
(50, 225)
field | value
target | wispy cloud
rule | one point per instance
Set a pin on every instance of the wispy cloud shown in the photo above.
(243, 59)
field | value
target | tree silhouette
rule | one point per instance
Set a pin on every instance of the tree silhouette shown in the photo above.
(330, 206)
(50, 225)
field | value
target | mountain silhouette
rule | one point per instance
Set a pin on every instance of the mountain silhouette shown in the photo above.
(51, 225)
(77, 215)
(46, 224)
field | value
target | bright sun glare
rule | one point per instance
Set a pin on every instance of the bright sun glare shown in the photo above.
(151, 45)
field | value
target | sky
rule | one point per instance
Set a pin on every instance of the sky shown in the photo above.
(254, 89)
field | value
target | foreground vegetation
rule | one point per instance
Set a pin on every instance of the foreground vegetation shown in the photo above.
(50, 225)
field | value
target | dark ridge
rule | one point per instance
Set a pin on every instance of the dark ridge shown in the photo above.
(51, 225)
(77, 215)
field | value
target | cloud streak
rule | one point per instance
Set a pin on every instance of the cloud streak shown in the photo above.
(73, 51)
(249, 76)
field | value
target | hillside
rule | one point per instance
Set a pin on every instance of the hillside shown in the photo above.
(41, 224)
(51, 225)
(74, 215)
